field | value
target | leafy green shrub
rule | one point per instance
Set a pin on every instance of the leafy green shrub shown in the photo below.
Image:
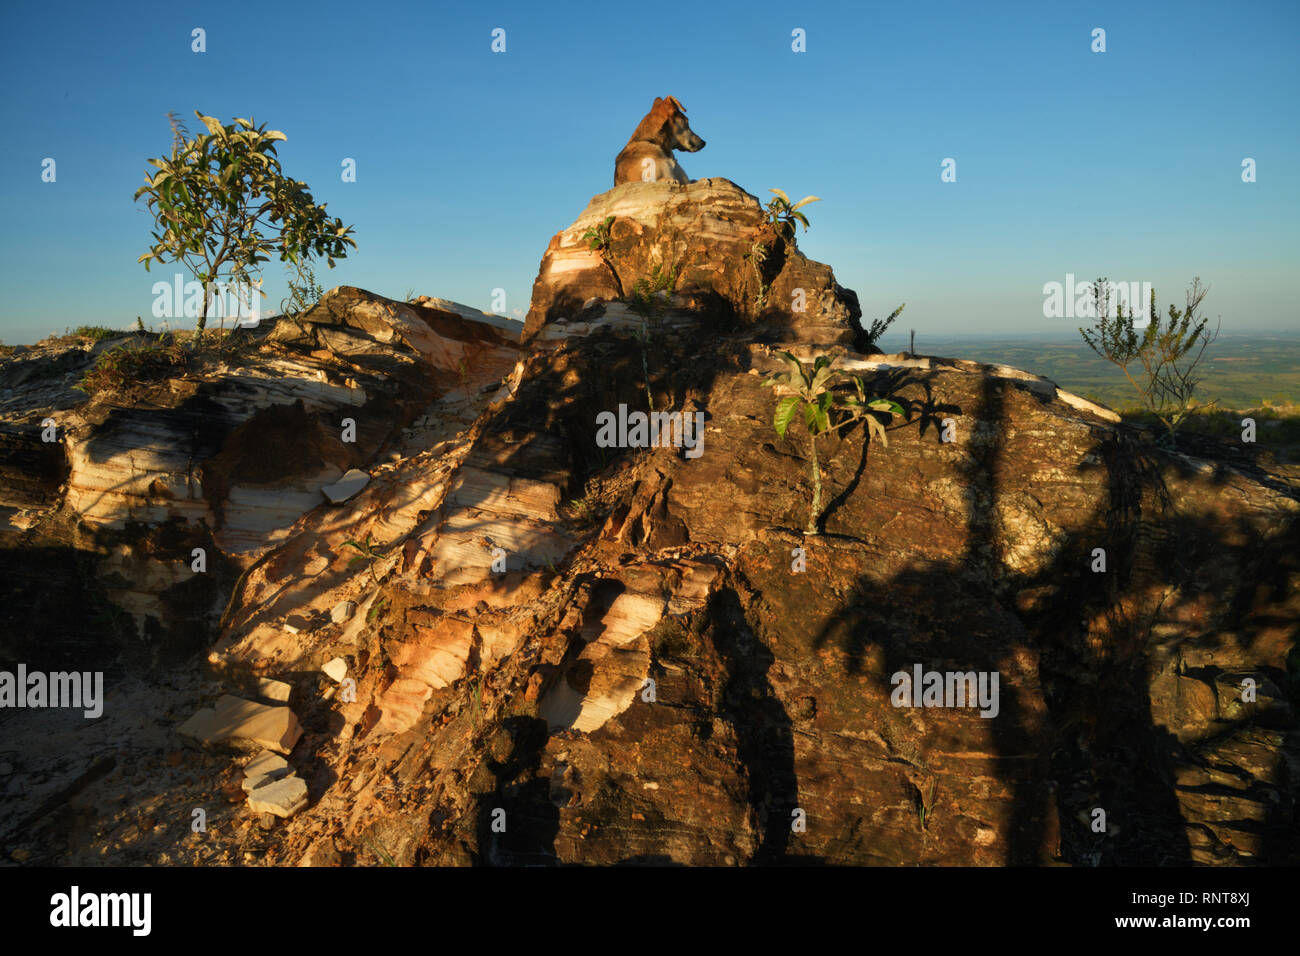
(216, 195)
(813, 394)
(97, 332)
(1170, 352)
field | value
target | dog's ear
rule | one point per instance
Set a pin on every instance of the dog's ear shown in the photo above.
(661, 112)
(674, 104)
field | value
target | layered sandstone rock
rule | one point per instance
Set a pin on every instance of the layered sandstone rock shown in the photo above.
(703, 233)
(229, 455)
(637, 655)
(678, 683)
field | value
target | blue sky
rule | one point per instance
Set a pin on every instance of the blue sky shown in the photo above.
(1125, 163)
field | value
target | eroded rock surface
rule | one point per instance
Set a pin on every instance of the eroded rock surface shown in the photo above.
(636, 655)
(704, 234)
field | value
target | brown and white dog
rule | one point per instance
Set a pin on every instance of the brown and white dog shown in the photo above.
(648, 155)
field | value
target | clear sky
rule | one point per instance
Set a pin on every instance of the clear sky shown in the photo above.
(1125, 163)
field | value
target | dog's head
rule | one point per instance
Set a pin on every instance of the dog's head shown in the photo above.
(668, 120)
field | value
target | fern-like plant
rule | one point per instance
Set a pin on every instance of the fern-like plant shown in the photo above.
(870, 337)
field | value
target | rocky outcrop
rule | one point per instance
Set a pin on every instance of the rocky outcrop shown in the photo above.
(703, 235)
(1025, 633)
(683, 675)
(228, 456)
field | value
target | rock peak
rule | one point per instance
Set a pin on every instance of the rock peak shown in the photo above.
(710, 246)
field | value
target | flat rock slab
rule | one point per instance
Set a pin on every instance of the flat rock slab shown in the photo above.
(244, 725)
(348, 486)
(297, 624)
(283, 798)
(276, 690)
(267, 767)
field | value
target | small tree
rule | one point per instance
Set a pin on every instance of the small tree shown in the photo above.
(813, 393)
(1170, 352)
(216, 195)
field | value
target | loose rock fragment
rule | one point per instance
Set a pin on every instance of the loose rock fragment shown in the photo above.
(343, 611)
(244, 725)
(346, 487)
(276, 690)
(283, 798)
(267, 767)
(336, 669)
(296, 624)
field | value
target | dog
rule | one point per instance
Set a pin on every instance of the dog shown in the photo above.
(648, 155)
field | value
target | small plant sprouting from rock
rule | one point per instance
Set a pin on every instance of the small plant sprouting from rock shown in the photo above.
(1170, 352)
(757, 257)
(598, 240)
(871, 336)
(781, 218)
(368, 553)
(384, 856)
(128, 364)
(925, 803)
(597, 237)
(646, 301)
(584, 510)
(782, 215)
(98, 332)
(820, 404)
(304, 290)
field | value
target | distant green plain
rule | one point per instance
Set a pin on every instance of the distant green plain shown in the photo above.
(1241, 371)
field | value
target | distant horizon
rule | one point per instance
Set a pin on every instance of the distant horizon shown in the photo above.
(1066, 160)
(895, 334)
